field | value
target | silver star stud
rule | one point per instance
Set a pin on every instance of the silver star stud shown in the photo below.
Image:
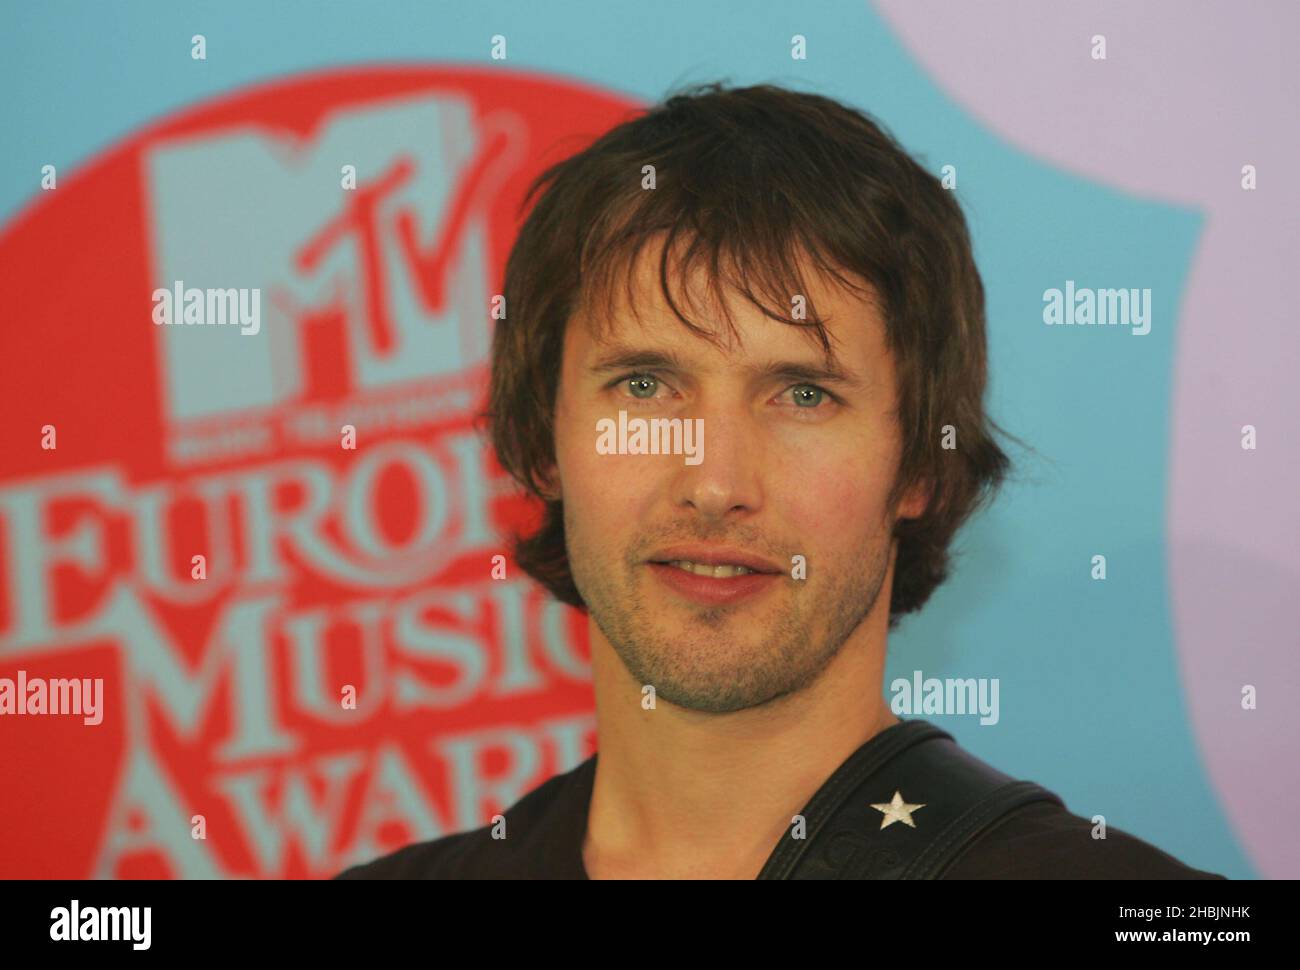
(897, 811)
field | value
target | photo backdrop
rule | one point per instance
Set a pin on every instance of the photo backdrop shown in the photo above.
(360, 168)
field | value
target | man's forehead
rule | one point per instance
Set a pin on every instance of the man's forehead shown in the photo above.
(630, 314)
(853, 326)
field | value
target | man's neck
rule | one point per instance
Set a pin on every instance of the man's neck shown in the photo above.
(680, 794)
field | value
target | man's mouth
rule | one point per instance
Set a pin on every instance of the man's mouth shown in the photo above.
(713, 575)
(721, 571)
(715, 561)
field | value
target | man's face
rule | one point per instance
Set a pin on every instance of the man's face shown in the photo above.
(787, 471)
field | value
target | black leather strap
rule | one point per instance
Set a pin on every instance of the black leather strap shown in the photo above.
(961, 796)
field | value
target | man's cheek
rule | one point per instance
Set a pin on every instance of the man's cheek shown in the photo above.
(603, 486)
(830, 510)
(830, 499)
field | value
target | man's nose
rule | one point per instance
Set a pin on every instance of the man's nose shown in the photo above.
(727, 482)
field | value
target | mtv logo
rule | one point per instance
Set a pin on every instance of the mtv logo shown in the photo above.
(362, 288)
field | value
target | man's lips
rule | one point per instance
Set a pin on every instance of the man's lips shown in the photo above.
(712, 590)
(714, 556)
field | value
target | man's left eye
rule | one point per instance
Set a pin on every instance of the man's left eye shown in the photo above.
(641, 386)
(809, 395)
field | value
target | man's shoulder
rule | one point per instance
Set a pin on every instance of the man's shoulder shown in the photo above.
(1044, 840)
(476, 853)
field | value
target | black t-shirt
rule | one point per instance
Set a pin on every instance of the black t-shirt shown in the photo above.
(546, 828)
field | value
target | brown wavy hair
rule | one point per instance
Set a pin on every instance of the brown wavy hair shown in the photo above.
(757, 179)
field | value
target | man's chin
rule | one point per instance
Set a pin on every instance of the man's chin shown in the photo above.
(707, 672)
(715, 697)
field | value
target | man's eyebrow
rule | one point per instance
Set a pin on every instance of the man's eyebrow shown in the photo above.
(626, 358)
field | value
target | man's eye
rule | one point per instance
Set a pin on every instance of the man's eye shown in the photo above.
(641, 386)
(644, 387)
(808, 396)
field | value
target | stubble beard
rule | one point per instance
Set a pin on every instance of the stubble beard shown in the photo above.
(721, 659)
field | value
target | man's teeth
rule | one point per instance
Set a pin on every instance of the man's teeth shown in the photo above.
(717, 572)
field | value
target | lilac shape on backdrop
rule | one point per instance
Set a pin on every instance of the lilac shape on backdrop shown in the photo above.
(1189, 93)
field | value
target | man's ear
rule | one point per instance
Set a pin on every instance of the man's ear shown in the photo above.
(916, 500)
(549, 479)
